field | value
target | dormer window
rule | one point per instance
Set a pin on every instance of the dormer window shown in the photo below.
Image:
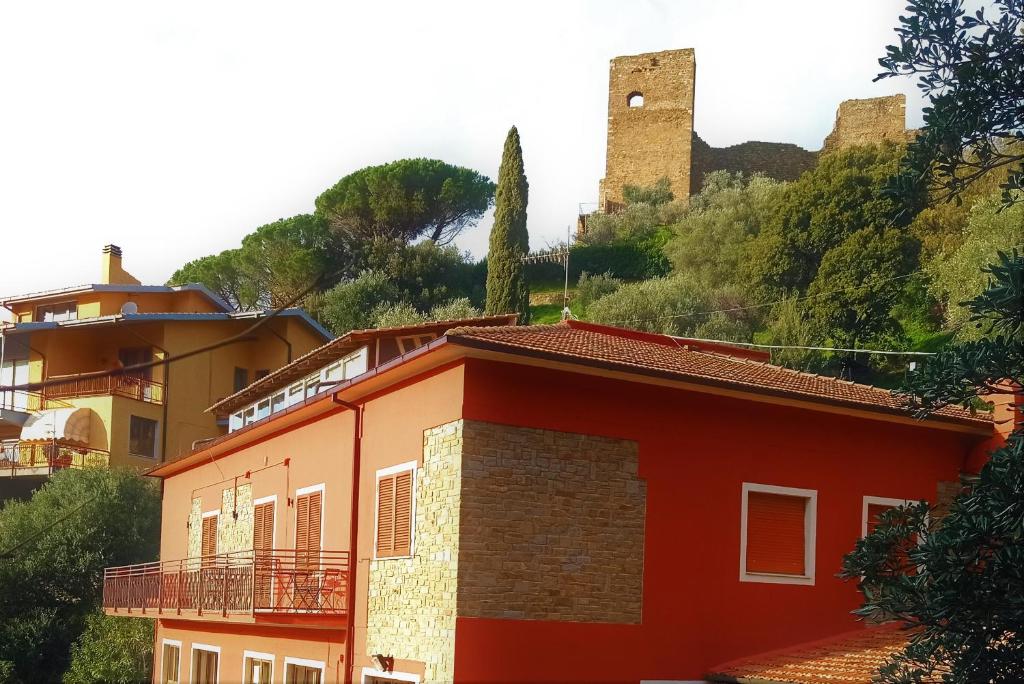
(64, 311)
(635, 100)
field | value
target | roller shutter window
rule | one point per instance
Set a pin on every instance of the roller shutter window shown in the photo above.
(394, 514)
(875, 512)
(776, 534)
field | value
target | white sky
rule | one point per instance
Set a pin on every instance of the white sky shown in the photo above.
(173, 129)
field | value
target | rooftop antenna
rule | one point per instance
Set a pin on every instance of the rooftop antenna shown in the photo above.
(566, 311)
(554, 255)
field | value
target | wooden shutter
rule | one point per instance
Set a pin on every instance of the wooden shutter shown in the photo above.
(208, 544)
(775, 533)
(308, 510)
(874, 513)
(263, 526)
(262, 544)
(403, 513)
(394, 515)
(385, 516)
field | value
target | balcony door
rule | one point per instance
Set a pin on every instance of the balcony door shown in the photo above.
(263, 552)
(308, 518)
(14, 372)
(136, 382)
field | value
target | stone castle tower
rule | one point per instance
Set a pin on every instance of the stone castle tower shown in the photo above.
(650, 122)
(651, 135)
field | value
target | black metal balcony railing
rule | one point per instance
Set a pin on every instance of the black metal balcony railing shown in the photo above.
(44, 458)
(271, 581)
(130, 386)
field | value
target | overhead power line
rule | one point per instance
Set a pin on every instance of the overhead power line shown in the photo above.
(809, 348)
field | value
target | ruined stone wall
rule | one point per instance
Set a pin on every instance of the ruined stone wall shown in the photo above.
(652, 141)
(552, 526)
(657, 140)
(781, 161)
(865, 122)
(411, 602)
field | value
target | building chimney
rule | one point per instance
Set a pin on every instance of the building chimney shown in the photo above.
(111, 271)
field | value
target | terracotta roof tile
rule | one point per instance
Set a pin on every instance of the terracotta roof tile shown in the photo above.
(662, 354)
(850, 658)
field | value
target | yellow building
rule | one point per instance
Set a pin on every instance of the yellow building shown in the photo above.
(131, 418)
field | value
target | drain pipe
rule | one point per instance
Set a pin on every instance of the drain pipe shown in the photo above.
(353, 535)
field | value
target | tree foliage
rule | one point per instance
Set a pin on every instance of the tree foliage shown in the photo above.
(275, 263)
(857, 285)
(957, 273)
(402, 282)
(115, 650)
(840, 196)
(405, 200)
(404, 313)
(54, 549)
(728, 213)
(654, 195)
(507, 291)
(971, 66)
(960, 579)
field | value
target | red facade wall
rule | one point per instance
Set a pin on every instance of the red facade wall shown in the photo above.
(696, 450)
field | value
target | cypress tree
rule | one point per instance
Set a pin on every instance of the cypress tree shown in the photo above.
(507, 291)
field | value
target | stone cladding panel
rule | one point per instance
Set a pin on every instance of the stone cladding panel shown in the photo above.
(552, 526)
(411, 602)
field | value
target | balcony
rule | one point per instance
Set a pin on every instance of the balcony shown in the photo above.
(26, 458)
(246, 586)
(21, 401)
(133, 387)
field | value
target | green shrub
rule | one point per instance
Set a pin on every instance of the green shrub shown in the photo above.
(590, 288)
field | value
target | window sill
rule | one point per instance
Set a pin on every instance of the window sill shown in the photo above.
(770, 578)
(387, 558)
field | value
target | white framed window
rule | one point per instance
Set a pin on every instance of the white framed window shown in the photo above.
(263, 409)
(257, 668)
(205, 667)
(777, 534)
(303, 671)
(873, 507)
(372, 676)
(394, 521)
(355, 363)
(170, 662)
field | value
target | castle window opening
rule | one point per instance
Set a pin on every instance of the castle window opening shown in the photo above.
(635, 99)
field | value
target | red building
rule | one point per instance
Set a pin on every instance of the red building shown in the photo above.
(473, 501)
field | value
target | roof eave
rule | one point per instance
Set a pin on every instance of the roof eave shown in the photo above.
(976, 426)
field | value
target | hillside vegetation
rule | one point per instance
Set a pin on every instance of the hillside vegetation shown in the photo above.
(831, 260)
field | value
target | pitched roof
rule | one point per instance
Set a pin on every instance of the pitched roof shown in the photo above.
(338, 348)
(849, 658)
(31, 326)
(104, 287)
(680, 358)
